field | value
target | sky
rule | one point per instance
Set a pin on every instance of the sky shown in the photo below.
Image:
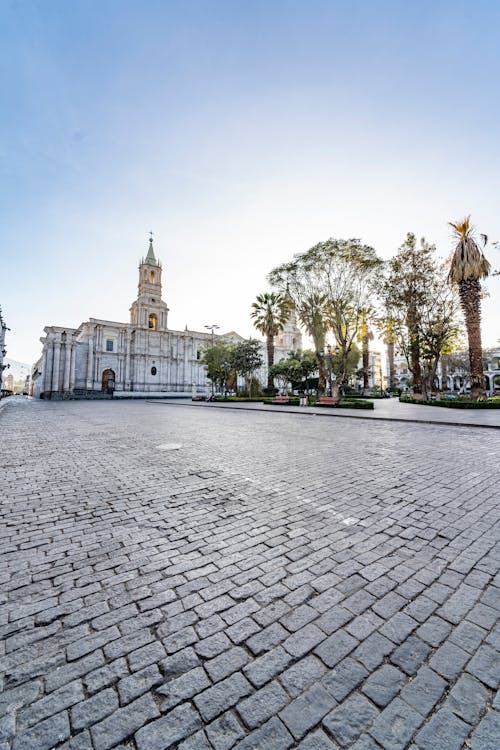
(240, 133)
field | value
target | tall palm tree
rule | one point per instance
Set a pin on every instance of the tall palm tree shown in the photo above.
(468, 266)
(270, 312)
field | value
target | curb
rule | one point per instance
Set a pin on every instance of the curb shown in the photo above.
(324, 413)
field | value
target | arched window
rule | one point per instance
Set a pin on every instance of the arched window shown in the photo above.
(153, 371)
(152, 277)
(153, 322)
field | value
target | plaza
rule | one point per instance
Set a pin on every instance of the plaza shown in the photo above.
(207, 578)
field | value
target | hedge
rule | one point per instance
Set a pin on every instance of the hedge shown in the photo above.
(453, 403)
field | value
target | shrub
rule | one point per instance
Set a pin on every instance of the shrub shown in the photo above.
(454, 403)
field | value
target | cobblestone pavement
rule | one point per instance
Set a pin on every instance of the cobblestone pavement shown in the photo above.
(207, 579)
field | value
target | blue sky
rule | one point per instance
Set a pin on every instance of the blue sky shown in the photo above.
(240, 133)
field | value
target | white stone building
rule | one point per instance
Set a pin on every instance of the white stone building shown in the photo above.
(140, 358)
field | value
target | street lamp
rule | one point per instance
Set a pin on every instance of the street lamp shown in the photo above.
(213, 328)
(328, 358)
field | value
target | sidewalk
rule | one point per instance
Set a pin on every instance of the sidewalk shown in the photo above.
(385, 410)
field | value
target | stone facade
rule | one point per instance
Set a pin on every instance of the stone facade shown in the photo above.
(140, 358)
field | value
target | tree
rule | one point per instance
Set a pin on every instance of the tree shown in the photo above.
(270, 312)
(217, 360)
(295, 369)
(330, 285)
(404, 291)
(245, 358)
(420, 310)
(468, 266)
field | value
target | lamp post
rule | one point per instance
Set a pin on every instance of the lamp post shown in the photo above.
(213, 328)
(328, 358)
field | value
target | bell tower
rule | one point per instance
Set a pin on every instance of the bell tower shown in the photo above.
(148, 310)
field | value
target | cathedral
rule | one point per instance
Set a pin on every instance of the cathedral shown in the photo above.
(136, 359)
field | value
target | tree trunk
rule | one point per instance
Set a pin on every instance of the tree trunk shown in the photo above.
(392, 369)
(444, 373)
(470, 298)
(366, 360)
(415, 367)
(270, 359)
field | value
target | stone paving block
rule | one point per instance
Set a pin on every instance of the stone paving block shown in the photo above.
(54, 703)
(395, 726)
(267, 639)
(444, 730)
(183, 688)
(125, 644)
(335, 648)
(383, 685)
(138, 683)
(468, 636)
(350, 719)
(411, 654)
(334, 618)
(104, 676)
(180, 640)
(146, 655)
(93, 709)
(262, 705)
(124, 722)
(45, 735)
(301, 675)
(372, 652)
(424, 691)
(434, 631)
(273, 736)
(242, 630)
(344, 678)
(485, 666)
(389, 605)
(222, 696)
(169, 730)
(178, 663)
(467, 699)
(485, 737)
(224, 732)
(69, 672)
(197, 741)
(449, 660)
(303, 640)
(317, 741)
(307, 710)
(226, 663)
(398, 627)
(213, 645)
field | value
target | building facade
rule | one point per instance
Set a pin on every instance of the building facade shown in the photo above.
(140, 358)
(3, 351)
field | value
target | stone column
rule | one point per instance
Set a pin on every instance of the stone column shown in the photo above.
(47, 367)
(72, 367)
(90, 365)
(67, 365)
(127, 360)
(55, 367)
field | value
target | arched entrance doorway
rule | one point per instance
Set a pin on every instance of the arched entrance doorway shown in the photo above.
(108, 381)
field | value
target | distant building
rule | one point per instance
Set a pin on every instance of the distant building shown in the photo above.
(140, 358)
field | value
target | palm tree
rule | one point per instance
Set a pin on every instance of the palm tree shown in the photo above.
(468, 266)
(311, 312)
(270, 312)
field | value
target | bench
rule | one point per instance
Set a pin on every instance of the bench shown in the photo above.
(328, 401)
(281, 400)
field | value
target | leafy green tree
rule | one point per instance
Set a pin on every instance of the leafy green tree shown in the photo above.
(270, 312)
(468, 266)
(245, 358)
(330, 285)
(217, 360)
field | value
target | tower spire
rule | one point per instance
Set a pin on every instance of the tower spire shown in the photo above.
(150, 257)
